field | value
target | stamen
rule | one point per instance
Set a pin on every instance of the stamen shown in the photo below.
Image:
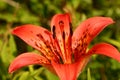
(71, 32)
(63, 35)
(54, 33)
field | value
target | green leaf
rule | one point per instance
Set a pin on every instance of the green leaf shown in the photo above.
(7, 50)
(12, 45)
(25, 76)
(4, 54)
(51, 76)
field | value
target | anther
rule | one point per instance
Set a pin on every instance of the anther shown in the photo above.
(54, 33)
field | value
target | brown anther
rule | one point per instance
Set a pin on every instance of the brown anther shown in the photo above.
(71, 31)
(54, 33)
(63, 35)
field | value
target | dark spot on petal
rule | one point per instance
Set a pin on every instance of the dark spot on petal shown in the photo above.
(92, 51)
(39, 35)
(61, 23)
(54, 33)
(84, 36)
(88, 25)
(91, 35)
(36, 44)
(47, 32)
(31, 39)
(31, 31)
(46, 62)
(59, 40)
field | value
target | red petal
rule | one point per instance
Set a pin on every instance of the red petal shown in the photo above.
(65, 71)
(29, 33)
(37, 37)
(86, 31)
(105, 49)
(61, 29)
(27, 59)
(70, 71)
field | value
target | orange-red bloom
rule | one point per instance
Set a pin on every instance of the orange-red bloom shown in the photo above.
(63, 51)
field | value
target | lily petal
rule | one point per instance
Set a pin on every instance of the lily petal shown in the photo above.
(105, 49)
(38, 38)
(86, 31)
(65, 71)
(30, 34)
(62, 32)
(27, 59)
(70, 71)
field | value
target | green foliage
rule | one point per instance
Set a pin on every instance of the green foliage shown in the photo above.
(17, 12)
(88, 74)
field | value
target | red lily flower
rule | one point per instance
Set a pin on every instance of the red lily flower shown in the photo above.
(63, 51)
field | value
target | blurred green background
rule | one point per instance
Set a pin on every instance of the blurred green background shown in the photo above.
(39, 12)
